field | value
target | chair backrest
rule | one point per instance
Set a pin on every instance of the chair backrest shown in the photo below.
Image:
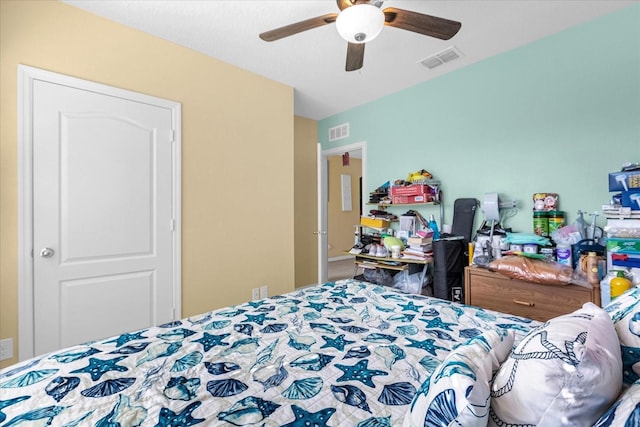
(464, 211)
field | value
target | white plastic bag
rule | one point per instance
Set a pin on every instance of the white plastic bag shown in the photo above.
(410, 283)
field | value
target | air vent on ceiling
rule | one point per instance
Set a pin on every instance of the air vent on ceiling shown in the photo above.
(338, 132)
(441, 58)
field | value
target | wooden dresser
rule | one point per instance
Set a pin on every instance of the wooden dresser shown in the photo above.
(495, 291)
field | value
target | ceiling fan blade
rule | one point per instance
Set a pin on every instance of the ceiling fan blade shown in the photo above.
(298, 27)
(355, 56)
(428, 25)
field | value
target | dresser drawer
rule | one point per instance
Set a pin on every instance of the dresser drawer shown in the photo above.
(495, 291)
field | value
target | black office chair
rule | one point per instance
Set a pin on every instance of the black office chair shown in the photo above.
(464, 211)
(450, 254)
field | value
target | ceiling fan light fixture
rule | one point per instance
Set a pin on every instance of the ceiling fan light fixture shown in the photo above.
(360, 23)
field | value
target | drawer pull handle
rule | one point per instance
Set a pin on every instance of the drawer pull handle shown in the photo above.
(526, 303)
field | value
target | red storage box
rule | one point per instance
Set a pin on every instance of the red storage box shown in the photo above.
(420, 198)
(411, 190)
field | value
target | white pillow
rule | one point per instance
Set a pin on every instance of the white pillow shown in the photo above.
(566, 372)
(625, 411)
(625, 312)
(457, 393)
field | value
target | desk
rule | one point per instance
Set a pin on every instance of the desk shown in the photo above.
(387, 263)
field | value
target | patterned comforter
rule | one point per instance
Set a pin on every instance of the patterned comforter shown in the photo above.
(340, 354)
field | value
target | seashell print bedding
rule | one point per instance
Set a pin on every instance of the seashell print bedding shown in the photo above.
(348, 353)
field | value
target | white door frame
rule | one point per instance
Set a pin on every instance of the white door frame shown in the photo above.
(323, 182)
(26, 77)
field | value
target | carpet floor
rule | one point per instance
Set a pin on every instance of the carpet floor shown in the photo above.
(340, 269)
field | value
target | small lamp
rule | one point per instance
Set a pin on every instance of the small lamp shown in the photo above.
(360, 23)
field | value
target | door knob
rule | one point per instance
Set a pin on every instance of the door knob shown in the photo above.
(46, 253)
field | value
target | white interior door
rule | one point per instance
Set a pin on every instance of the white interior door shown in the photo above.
(323, 246)
(104, 217)
(323, 199)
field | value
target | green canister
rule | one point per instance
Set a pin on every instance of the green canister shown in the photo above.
(556, 220)
(541, 223)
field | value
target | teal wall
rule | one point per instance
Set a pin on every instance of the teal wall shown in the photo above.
(556, 115)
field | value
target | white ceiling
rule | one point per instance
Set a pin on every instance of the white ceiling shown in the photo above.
(313, 62)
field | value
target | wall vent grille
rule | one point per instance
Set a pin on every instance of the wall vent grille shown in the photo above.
(339, 132)
(441, 58)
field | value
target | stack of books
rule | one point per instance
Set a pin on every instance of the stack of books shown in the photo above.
(374, 213)
(419, 247)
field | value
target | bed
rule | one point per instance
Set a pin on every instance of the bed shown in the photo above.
(346, 353)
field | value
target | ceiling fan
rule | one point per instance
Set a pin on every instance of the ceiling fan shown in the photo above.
(360, 21)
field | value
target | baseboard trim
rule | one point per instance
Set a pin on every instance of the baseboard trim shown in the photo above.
(340, 258)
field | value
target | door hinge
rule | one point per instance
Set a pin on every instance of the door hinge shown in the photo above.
(172, 135)
(172, 225)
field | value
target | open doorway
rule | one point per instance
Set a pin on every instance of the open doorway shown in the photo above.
(337, 226)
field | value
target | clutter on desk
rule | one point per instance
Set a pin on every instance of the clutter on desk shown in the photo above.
(533, 270)
(378, 219)
(489, 243)
(619, 284)
(418, 187)
(625, 202)
(408, 226)
(403, 193)
(526, 238)
(419, 176)
(545, 202)
(381, 194)
(373, 222)
(419, 246)
(622, 230)
(433, 225)
(394, 246)
(609, 254)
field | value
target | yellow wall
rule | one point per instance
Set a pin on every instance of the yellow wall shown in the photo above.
(306, 201)
(237, 148)
(341, 224)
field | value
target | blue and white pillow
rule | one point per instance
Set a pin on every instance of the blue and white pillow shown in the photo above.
(457, 393)
(625, 312)
(566, 372)
(625, 411)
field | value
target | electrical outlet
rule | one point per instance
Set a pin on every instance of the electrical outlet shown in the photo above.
(6, 349)
(264, 291)
(255, 294)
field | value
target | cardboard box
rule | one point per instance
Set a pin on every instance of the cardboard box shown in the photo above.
(366, 221)
(403, 200)
(624, 181)
(411, 190)
(631, 199)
